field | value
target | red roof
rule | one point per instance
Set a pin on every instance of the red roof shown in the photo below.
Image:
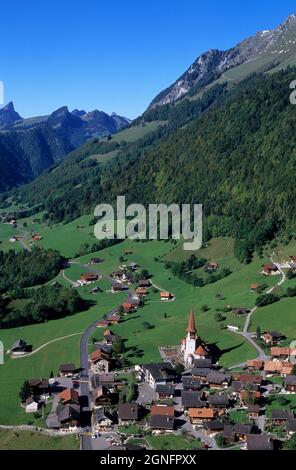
(249, 378)
(127, 306)
(162, 410)
(270, 267)
(108, 333)
(165, 295)
(141, 291)
(254, 286)
(191, 323)
(103, 323)
(200, 351)
(256, 363)
(89, 277)
(99, 355)
(202, 413)
(69, 395)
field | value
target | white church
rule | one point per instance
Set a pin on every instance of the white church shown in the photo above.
(192, 346)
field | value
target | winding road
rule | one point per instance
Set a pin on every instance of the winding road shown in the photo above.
(46, 344)
(85, 390)
(249, 336)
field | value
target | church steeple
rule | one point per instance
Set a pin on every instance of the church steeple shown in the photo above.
(191, 324)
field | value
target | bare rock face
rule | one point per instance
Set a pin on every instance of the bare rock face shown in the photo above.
(213, 63)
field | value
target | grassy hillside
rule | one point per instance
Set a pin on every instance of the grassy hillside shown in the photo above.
(30, 440)
(164, 317)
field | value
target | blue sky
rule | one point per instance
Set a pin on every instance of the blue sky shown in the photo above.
(115, 56)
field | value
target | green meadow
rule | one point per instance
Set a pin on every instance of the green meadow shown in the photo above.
(280, 316)
(136, 132)
(167, 320)
(30, 440)
(6, 232)
(15, 371)
(173, 442)
(172, 316)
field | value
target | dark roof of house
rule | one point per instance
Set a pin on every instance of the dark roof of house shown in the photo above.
(44, 383)
(34, 382)
(235, 387)
(30, 400)
(250, 378)
(20, 343)
(162, 422)
(128, 411)
(259, 442)
(144, 283)
(273, 334)
(214, 425)
(69, 412)
(231, 430)
(107, 379)
(116, 286)
(238, 386)
(107, 348)
(67, 367)
(101, 416)
(101, 392)
(218, 400)
(218, 377)
(167, 389)
(192, 399)
(201, 372)
(118, 273)
(203, 363)
(161, 371)
(290, 380)
(109, 338)
(253, 408)
(242, 310)
(190, 382)
(282, 414)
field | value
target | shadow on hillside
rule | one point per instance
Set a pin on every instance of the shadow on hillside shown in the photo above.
(134, 351)
(219, 352)
(87, 305)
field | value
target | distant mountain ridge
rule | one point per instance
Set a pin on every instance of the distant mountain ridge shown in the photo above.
(30, 146)
(237, 158)
(8, 115)
(265, 48)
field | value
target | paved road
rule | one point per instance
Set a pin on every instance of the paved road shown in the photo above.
(249, 336)
(46, 344)
(86, 442)
(269, 291)
(74, 284)
(52, 421)
(199, 433)
(21, 240)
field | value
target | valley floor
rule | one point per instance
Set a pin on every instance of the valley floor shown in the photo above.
(168, 319)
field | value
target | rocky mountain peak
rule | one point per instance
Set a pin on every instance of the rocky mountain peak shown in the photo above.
(273, 44)
(8, 115)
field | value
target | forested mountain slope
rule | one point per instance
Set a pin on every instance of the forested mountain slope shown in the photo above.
(238, 159)
(35, 144)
